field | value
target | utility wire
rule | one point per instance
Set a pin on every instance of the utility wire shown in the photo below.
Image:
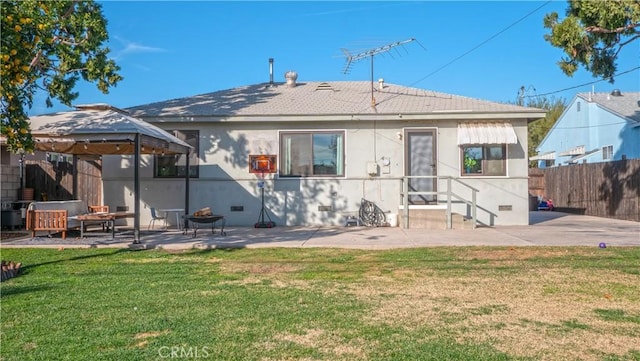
(482, 43)
(476, 47)
(581, 85)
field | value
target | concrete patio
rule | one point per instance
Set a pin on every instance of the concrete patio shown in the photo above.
(545, 229)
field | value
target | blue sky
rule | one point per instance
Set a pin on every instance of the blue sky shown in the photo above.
(480, 49)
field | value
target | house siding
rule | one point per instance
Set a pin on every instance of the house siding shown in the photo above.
(591, 124)
(224, 179)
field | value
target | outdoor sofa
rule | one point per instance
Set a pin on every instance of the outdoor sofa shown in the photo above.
(58, 216)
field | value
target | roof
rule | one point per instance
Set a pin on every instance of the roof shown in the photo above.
(627, 105)
(324, 98)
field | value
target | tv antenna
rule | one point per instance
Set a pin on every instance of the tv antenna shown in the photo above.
(351, 58)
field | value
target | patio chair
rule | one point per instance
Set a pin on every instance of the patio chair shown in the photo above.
(155, 217)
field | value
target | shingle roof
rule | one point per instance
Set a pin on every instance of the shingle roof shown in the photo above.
(321, 98)
(626, 105)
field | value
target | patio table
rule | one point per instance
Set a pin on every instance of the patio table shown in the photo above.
(108, 218)
(177, 211)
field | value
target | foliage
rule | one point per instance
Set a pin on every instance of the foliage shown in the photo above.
(538, 129)
(469, 161)
(49, 46)
(593, 34)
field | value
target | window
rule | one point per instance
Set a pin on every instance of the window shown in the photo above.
(174, 166)
(487, 160)
(311, 154)
(607, 152)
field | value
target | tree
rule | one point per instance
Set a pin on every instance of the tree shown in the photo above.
(48, 46)
(538, 129)
(593, 34)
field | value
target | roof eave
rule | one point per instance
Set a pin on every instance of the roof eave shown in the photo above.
(440, 115)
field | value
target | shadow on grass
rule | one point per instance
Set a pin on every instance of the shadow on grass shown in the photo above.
(13, 290)
(28, 267)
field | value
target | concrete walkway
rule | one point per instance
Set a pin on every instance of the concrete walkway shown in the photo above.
(545, 229)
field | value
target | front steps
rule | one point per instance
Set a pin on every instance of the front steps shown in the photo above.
(435, 219)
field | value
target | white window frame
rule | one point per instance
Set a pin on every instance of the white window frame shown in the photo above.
(607, 150)
(341, 163)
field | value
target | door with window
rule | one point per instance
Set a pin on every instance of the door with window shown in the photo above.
(420, 160)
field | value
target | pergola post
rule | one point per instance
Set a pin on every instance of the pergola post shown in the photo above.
(136, 190)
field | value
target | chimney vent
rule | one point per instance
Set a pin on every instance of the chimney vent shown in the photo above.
(270, 72)
(380, 84)
(616, 93)
(291, 77)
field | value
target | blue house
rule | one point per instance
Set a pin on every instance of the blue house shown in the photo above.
(595, 127)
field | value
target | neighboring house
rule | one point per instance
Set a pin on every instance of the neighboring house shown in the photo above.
(334, 144)
(595, 127)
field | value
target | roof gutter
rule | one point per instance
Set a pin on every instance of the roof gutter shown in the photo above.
(530, 116)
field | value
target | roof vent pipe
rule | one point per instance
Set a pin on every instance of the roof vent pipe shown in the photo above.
(380, 84)
(270, 71)
(291, 77)
(616, 93)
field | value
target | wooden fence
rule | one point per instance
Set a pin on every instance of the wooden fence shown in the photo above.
(608, 189)
(55, 180)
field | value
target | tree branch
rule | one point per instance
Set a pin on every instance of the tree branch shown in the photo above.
(621, 45)
(598, 30)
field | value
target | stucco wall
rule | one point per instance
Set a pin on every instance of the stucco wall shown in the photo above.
(225, 181)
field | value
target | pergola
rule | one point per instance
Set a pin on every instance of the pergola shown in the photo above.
(100, 129)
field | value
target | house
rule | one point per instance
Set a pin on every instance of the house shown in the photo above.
(595, 127)
(330, 145)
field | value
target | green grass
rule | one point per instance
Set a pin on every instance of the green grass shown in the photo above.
(318, 304)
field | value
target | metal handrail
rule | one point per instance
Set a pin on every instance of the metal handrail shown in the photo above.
(405, 193)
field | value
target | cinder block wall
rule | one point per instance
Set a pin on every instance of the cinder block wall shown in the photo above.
(10, 180)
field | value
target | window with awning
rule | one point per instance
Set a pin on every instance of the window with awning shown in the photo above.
(486, 133)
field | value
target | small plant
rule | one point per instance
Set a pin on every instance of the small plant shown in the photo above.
(469, 162)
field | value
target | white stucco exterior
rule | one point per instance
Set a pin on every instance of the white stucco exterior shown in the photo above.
(224, 180)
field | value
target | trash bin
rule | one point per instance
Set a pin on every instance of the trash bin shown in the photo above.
(392, 219)
(533, 203)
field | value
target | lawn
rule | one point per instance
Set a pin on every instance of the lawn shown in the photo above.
(475, 303)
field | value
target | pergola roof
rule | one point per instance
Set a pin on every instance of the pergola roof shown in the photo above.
(101, 129)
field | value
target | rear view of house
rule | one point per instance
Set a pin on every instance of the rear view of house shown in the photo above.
(336, 144)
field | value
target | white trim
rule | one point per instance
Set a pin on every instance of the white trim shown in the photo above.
(545, 156)
(313, 131)
(584, 156)
(579, 150)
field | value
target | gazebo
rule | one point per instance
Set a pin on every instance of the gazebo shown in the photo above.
(101, 129)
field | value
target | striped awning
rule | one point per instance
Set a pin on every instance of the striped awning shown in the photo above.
(545, 156)
(579, 150)
(586, 155)
(486, 133)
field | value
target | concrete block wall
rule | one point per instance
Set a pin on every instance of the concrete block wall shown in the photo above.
(10, 180)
